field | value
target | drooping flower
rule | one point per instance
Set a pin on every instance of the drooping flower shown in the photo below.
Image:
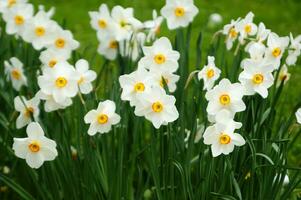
(298, 115)
(108, 47)
(85, 75)
(179, 13)
(257, 78)
(276, 48)
(222, 138)
(284, 75)
(231, 32)
(294, 50)
(50, 104)
(102, 119)
(14, 72)
(16, 18)
(157, 107)
(225, 96)
(36, 148)
(60, 82)
(101, 21)
(28, 109)
(160, 56)
(210, 73)
(135, 84)
(50, 57)
(39, 30)
(153, 26)
(246, 27)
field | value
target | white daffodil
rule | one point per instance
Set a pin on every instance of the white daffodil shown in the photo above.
(101, 21)
(246, 27)
(124, 22)
(62, 41)
(135, 84)
(225, 96)
(298, 115)
(256, 51)
(50, 104)
(60, 82)
(102, 119)
(14, 72)
(231, 32)
(50, 57)
(210, 73)
(262, 35)
(179, 13)
(36, 148)
(257, 78)
(294, 50)
(284, 75)
(165, 77)
(29, 109)
(225, 117)
(132, 48)
(8, 4)
(222, 138)
(160, 56)
(108, 47)
(157, 107)
(39, 30)
(276, 48)
(16, 18)
(153, 26)
(85, 75)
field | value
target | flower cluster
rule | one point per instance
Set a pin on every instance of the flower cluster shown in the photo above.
(262, 43)
(144, 88)
(118, 31)
(266, 50)
(59, 81)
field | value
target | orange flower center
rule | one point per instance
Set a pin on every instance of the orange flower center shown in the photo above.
(40, 31)
(102, 119)
(157, 107)
(224, 99)
(16, 74)
(258, 79)
(34, 146)
(60, 43)
(224, 139)
(61, 82)
(19, 20)
(179, 12)
(139, 87)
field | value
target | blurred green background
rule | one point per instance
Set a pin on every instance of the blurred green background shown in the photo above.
(281, 16)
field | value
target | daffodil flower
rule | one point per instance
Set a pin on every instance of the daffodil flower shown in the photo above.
(14, 72)
(179, 13)
(210, 73)
(36, 148)
(102, 119)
